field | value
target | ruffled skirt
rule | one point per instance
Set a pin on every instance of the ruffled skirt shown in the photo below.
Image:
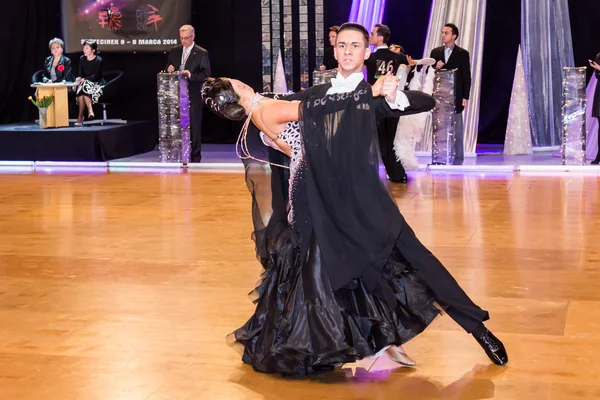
(90, 89)
(301, 325)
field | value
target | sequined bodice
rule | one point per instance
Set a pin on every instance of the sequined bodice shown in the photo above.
(291, 135)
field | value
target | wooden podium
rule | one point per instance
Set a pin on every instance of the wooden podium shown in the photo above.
(58, 112)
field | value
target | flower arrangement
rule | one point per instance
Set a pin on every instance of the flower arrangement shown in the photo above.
(44, 102)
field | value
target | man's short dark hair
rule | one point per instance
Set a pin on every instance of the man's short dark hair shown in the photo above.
(353, 26)
(334, 28)
(383, 30)
(397, 46)
(454, 29)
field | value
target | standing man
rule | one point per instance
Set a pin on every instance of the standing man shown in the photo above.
(192, 60)
(380, 62)
(450, 56)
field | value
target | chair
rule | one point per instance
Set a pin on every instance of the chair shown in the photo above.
(110, 91)
(37, 77)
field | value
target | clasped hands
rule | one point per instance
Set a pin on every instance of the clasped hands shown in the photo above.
(387, 86)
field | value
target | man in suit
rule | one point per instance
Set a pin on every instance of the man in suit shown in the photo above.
(450, 56)
(380, 62)
(192, 60)
(351, 49)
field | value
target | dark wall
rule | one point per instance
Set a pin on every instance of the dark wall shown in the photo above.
(585, 22)
(25, 30)
(335, 12)
(502, 39)
(408, 20)
(228, 29)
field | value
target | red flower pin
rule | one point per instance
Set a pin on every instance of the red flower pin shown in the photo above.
(60, 68)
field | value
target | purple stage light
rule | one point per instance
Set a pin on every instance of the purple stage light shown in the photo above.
(367, 12)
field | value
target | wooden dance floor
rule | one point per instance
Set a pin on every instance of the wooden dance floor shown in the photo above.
(125, 285)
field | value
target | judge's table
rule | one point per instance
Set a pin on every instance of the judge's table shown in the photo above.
(58, 112)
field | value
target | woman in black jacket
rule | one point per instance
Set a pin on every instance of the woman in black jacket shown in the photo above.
(89, 82)
(57, 67)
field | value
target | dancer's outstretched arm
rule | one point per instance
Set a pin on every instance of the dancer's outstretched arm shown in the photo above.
(272, 116)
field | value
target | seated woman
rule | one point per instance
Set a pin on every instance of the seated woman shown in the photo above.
(89, 82)
(57, 67)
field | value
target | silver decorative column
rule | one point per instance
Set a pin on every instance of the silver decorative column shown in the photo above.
(469, 17)
(547, 48)
(173, 117)
(573, 116)
(320, 77)
(444, 118)
(287, 26)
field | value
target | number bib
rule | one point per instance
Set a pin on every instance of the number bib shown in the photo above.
(383, 67)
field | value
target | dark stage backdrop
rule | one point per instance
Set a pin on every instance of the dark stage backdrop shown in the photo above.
(585, 22)
(230, 30)
(501, 44)
(407, 19)
(124, 25)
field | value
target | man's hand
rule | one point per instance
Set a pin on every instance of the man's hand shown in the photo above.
(187, 73)
(465, 103)
(170, 68)
(378, 85)
(390, 88)
(440, 64)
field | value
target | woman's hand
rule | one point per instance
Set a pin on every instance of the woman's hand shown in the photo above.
(594, 65)
(377, 87)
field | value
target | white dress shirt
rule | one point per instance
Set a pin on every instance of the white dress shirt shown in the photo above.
(448, 52)
(185, 53)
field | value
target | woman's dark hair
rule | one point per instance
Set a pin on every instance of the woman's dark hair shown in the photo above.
(93, 45)
(218, 94)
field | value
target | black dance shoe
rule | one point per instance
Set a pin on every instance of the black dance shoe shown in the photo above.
(323, 368)
(596, 161)
(493, 347)
(402, 179)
